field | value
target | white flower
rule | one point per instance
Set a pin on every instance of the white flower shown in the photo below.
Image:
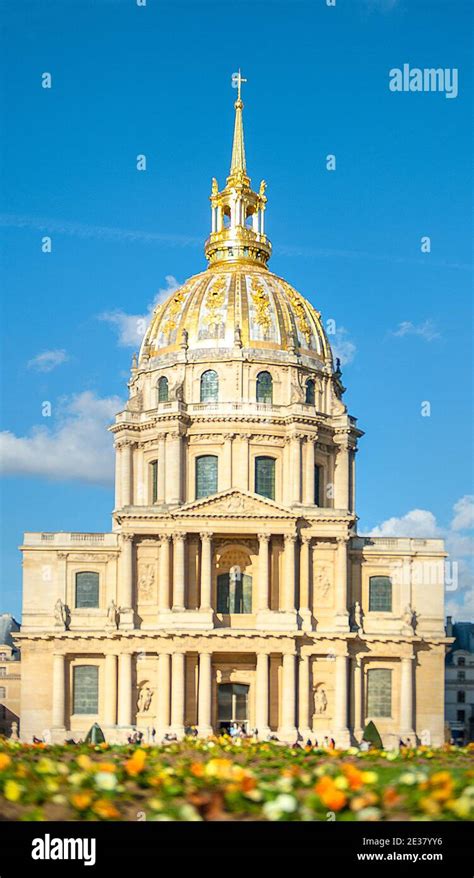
(105, 781)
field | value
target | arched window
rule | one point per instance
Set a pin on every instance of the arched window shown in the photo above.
(234, 592)
(163, 389)
(310, 398)
(264, 387)
(87, 590)
(206, 475)
(379, 692)
(380, 594)
(318, 483)
(154, 480)
(209, 386)
(265, 477)
(86, 689)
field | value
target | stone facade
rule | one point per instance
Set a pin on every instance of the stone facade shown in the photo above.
(10, 677)
(231, 589)
(460, 681)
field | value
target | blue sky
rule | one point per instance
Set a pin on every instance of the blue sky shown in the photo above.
(155, 80)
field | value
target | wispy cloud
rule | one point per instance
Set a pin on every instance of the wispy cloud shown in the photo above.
(76, 447)
(48, 360)
(131, 327)
(112, 233)
(421, 523)
(342, 346)
(426, 330)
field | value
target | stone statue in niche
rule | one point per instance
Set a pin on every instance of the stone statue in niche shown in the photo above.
(322, 582)
(146, 581)
(408, 618)
(112, 615)
(61, 615)
(320, 700)
(144, 699)
(357, 618)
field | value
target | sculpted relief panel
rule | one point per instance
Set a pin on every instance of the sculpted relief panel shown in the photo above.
(323, 584)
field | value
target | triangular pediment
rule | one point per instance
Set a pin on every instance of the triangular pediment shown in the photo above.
(234, 504)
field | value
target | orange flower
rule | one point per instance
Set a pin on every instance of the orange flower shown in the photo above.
(105, 809)
(136, 764)
(197, 769)
(330, 796)
(5, 761)
(391, 797)
(81, 801)
(105, 766)
(354, 776)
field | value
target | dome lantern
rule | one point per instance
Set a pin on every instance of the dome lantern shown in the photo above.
(238, 212)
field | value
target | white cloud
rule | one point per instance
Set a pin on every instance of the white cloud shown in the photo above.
(463, 513)
(76, 446)
(422, 524)
(48, 360)
(427, 330)
(342, 346)
(131, 327)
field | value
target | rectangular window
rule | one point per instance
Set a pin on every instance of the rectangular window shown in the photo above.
(380, 594)
(461, 696)
(461, 675)
(87, 590)
(461, 716)
(379, 692)
(86, 689)
(265, 477)
(3, 692)
(206, 476)
(154, 481)
(3, 672)
(317, 486)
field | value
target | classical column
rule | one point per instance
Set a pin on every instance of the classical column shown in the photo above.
(164, 583)
(125, 689)
(263, 572)
(309, 481)
(243, 475)
(161, 468)
(261, 696)
(288, 603)
(225, 479)
(126, 459)
(140, 499)
(110, 690)
(295, 456)
(177, 692)
(204, 694)
(358, 697)
(287, 730)
(125, 589)
(118, 475)
(340, 699)
(206, 571)
(342, 615)
(173, 467)
(163, 694)
(305, 572)
(406, 697)
(304, 719)
(59, 692)
(178, 570)
(341, 477)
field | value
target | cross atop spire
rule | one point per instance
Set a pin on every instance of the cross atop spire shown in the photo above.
(237, 164)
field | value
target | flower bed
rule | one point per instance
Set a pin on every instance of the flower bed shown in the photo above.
(217, 779)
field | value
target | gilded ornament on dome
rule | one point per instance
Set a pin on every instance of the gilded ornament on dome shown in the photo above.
(261, 301)
(214, 301)
(299, 311)
(174, 309)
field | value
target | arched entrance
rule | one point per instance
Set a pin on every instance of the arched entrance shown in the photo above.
(232, 706)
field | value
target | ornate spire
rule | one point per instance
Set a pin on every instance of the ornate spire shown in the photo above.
(238, 169)
(237, 211)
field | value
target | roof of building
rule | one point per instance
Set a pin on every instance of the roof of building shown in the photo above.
(7, 624)
(463, 632)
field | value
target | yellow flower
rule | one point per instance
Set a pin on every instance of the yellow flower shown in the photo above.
(5, 761)
(136, 764)
(12, 790)
(429, 806)
(84, 762)
(46, 766)
(370, 776)
(219, 768)
(461, 807)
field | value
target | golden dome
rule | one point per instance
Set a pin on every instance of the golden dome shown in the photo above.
(237, 302)
(236, 305)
